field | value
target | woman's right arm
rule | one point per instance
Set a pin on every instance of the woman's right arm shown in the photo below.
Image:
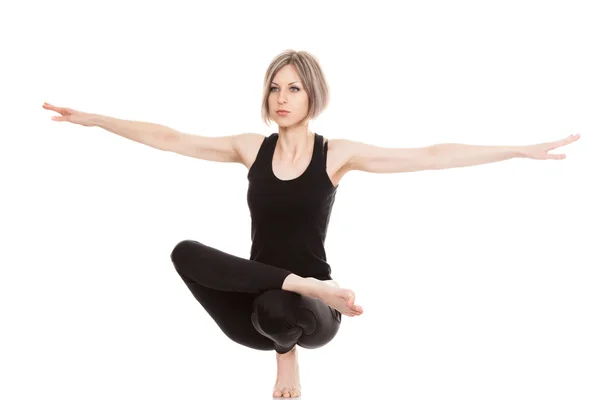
(220, 149)
(234, 148)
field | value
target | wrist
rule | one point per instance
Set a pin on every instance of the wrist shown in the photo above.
(520, 151)
(96, 119)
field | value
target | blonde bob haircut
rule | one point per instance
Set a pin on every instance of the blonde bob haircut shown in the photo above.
(312, 78)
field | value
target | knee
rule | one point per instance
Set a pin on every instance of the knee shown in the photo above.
(182, 252)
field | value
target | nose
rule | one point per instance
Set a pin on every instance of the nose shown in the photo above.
(281, 98)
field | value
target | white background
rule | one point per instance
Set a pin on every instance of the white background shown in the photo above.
(477, 283)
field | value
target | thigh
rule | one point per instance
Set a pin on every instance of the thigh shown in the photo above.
(198, 263)
(232, 312)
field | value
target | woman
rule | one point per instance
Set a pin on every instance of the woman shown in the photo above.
(283, 295)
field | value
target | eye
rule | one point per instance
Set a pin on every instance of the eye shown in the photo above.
(293, 87)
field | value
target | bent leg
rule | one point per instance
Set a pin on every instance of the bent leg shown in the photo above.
(215, 269)
(226, 286)
(231, 312)
(290, 318)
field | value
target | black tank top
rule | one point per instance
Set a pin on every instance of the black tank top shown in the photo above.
(290, 217)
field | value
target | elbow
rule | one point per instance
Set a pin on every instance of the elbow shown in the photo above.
(427, 159)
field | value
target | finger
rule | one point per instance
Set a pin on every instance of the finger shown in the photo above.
(567, 140)
(570, 139)
(556, 156)
(60, 110)
(54, 108)
(556, 144)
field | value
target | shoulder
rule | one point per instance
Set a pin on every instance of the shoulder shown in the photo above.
(337, 144)
(248, 145)
(339, 155)
(339, 148)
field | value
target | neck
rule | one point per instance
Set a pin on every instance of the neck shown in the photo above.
(294, 142)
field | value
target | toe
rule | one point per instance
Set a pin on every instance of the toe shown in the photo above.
(277, 393)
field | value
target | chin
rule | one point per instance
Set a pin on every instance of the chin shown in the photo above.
(282, 121)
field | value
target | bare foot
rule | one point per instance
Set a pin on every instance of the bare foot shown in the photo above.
(288, 375)
(341, 299)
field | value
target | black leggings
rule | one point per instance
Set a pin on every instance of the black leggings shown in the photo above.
(245, 299)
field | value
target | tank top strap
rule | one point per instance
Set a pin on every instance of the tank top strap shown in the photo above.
(325, 147)
(266, 150)
(320, 151)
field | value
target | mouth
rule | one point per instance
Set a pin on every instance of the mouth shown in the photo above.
(283, 112)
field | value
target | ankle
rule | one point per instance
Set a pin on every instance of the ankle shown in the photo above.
(290, 353)
(298, 284)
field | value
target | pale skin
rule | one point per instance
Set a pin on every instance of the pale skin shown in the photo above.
(292, 156)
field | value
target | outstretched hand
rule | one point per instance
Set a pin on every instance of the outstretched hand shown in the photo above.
(540, 151)
(70, 115)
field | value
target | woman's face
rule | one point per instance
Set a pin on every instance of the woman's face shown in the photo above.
(287, 93)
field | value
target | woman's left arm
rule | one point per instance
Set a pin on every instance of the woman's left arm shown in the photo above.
(369, 158)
